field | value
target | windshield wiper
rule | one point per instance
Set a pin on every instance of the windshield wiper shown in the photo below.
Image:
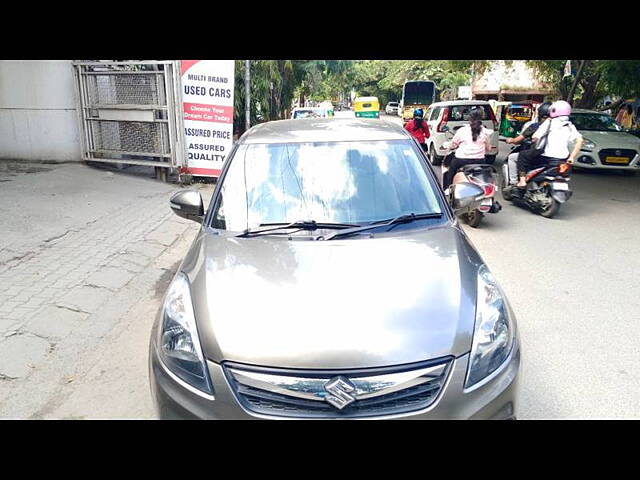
(300, 225)
(383, 223)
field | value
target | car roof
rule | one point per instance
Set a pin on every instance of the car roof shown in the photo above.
(324, 130)
(459, 102)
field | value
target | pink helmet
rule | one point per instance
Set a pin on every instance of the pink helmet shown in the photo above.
(560, 109)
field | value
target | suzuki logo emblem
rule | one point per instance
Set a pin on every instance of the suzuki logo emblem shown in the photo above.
(618, 152)
(339, 389)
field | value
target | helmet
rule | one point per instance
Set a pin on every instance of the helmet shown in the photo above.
(418, 112)
(560, 109)
(543, 109)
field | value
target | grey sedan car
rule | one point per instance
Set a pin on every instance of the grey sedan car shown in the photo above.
(331, 280)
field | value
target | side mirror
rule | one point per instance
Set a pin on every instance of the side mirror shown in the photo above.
(465, 197)
(188, 204)
(444, 128)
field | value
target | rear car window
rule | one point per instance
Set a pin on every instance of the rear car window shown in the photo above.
(461, 112)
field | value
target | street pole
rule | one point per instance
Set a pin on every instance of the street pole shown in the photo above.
(247, 92)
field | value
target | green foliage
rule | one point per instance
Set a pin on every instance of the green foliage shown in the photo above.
(599, 78)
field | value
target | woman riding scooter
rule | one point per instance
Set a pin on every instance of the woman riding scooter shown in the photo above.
(472, 142)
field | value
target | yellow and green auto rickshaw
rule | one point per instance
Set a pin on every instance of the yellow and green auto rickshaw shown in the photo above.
(513, 117)
(367, 107)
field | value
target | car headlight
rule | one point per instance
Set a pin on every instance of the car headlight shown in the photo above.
(493, 335)
(179, 347)
(587, 145)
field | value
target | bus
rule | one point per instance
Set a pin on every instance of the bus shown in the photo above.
(416, 94)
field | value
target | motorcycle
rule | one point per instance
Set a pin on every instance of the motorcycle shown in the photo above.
(483, 175)
(546, 190)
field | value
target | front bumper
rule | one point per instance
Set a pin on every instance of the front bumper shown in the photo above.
(493, 398)
(593, 160)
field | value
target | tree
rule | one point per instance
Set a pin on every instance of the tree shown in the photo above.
(597, 79)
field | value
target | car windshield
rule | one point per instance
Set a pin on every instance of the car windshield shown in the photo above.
(462, 112)
(594, 121)
(327, 182)
(307, 114)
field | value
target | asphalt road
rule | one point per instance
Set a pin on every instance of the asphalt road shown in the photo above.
(573, 282)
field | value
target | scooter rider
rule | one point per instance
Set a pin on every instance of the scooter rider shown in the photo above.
(525, 141)
(558, 132)
(418, 128)
(472, 142)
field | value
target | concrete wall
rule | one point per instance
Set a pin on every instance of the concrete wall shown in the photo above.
(38, 119)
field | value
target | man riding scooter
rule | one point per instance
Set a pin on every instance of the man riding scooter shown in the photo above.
(544, 168)
(524, 142)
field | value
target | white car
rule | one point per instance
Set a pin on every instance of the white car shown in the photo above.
(445, 118)
(391, 108)
(605, 145)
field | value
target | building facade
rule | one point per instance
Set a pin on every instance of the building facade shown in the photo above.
(509, 82)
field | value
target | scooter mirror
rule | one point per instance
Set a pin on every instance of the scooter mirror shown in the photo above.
(465, 197)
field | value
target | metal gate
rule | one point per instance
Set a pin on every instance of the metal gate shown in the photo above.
(129, 113)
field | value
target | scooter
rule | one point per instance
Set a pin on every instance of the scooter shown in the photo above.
(484, 176)
(547, 188)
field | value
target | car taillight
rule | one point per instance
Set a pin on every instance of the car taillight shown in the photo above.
(564, 168)
(443, 122)
(488, 188)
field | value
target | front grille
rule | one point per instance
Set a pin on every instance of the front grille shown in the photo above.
(629, 154)
(274, 400)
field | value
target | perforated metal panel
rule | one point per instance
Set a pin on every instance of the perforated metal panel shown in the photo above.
(130, 112)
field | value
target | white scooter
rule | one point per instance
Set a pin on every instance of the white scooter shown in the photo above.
(483, 175)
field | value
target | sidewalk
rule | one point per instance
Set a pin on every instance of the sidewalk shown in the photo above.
(80, 248)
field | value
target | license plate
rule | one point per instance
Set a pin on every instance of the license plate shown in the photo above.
(623, 160)
(560, 186)
(487, 202)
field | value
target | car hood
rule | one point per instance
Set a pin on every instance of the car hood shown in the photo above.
(350, 303)
(612, 139)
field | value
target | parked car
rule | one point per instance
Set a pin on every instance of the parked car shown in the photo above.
(331, 279)
(606, 145)
(391, 108)
(444, 118)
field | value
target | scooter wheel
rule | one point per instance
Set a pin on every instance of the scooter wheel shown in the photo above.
(507, 193)
(551, 210)
(474, 218)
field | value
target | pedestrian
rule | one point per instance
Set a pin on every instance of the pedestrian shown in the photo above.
(608, 110)
(418, 128)
(471, 142)
(627, 117)
(620, 114)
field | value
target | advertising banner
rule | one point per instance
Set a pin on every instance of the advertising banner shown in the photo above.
(207, 98)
